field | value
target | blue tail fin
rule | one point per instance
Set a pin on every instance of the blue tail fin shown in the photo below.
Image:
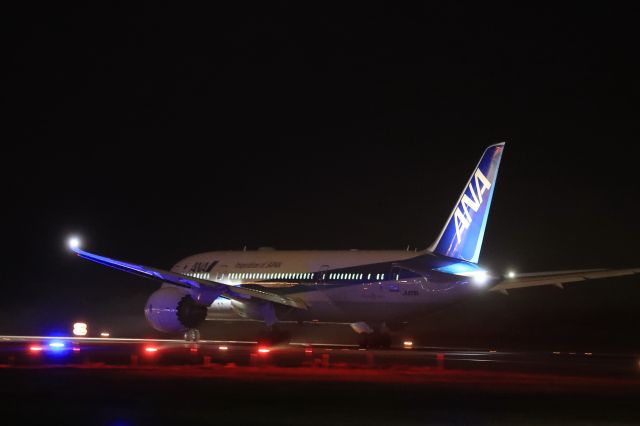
(461, 237)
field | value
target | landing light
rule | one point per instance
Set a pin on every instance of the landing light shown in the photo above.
(511, 274)
(80, 329)
(407, 343)
(74, 243)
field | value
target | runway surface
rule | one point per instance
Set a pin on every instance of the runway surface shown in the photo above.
(143, 381)
(56, 351)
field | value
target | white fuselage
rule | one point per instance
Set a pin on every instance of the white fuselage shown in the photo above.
(344, 286)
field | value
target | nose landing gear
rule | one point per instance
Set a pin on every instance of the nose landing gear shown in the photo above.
(192, 335)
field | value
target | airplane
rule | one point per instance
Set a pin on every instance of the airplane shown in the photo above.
(376, 292)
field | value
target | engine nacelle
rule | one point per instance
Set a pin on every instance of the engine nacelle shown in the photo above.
(171, 309)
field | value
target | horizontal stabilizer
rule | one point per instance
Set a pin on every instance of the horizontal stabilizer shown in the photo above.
(560, 277)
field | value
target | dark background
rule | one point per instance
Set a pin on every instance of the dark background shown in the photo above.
(158, 132)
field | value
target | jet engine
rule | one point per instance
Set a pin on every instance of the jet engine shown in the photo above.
(171, 309)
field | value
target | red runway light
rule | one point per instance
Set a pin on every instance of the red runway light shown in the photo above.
(35, 348)
(223, 348)
(308, 350)
(76, 349)
(264, 350)
(151, 349)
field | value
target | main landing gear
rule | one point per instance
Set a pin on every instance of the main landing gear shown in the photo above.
(375, 340)
(373, 336)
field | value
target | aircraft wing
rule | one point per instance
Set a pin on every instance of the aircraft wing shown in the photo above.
(189, 282)
(558, 278)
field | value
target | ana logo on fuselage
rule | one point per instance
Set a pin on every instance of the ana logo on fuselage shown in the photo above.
(478, 185)
(203, 266)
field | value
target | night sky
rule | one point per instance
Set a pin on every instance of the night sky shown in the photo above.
(156, 133)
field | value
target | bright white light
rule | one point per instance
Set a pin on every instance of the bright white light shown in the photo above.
(480, 279)
(408, 343)
(56, 345)
(511, 274)
(104, 334)
(74, 243)
(80, 329)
